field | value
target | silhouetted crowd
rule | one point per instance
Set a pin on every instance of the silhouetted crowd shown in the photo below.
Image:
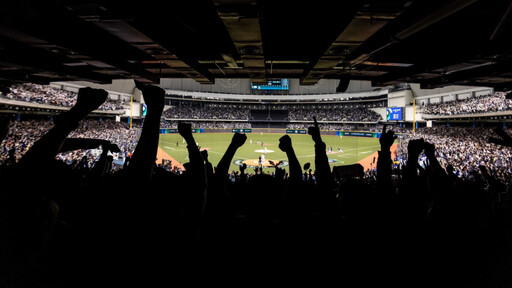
(143, 226)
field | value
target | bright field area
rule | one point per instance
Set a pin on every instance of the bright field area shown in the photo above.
(353, 149)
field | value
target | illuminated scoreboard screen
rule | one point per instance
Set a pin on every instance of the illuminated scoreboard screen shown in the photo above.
(144, 109)
(280, 84)
(394, 114)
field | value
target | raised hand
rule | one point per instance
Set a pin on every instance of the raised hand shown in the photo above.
(285, 143)
(143, 158)
(89, 99)
(154, 96)
(386, 139)
(204, 154)
(238, 140)
(430, 149)
(48, 146)
(315, 131)
(415, 147)
(185, 130)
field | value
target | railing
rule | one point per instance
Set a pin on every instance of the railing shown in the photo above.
(287, 121)
(288, 97)
(463, 116)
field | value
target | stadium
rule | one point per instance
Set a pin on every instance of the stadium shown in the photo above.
(253, 142)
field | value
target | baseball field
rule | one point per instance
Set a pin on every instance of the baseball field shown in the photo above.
(340, 150)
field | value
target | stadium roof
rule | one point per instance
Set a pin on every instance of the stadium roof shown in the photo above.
(435, 43)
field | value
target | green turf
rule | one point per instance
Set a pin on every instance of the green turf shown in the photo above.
(354, 148)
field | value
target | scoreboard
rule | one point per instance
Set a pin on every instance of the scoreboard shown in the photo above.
(279, 84)
(394, 114)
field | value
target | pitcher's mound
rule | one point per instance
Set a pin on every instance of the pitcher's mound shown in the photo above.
(264, 151)
(255, 163)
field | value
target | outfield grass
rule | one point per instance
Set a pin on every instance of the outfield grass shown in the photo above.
(354, 148)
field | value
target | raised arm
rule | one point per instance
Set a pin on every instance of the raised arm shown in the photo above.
(237, 141)
(285, 144)
(70, 144)
(101, 166)
(243, 176)
(414, 149)
(208, 166)
(143, 158)
(435, 167)
(197, 167)
(323, 173)
(384, 162)
(46, 148)
(409, 183)
(196, 182)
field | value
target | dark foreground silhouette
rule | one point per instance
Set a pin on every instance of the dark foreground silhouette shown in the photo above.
(75, 226)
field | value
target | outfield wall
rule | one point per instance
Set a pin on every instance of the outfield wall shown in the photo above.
(277, 131)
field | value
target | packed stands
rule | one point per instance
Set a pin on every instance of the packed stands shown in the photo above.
(208, 112)
(22, 135)
(340, 114)
(45, 94)
(349, 114)
(496, 102)
(465, 149)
